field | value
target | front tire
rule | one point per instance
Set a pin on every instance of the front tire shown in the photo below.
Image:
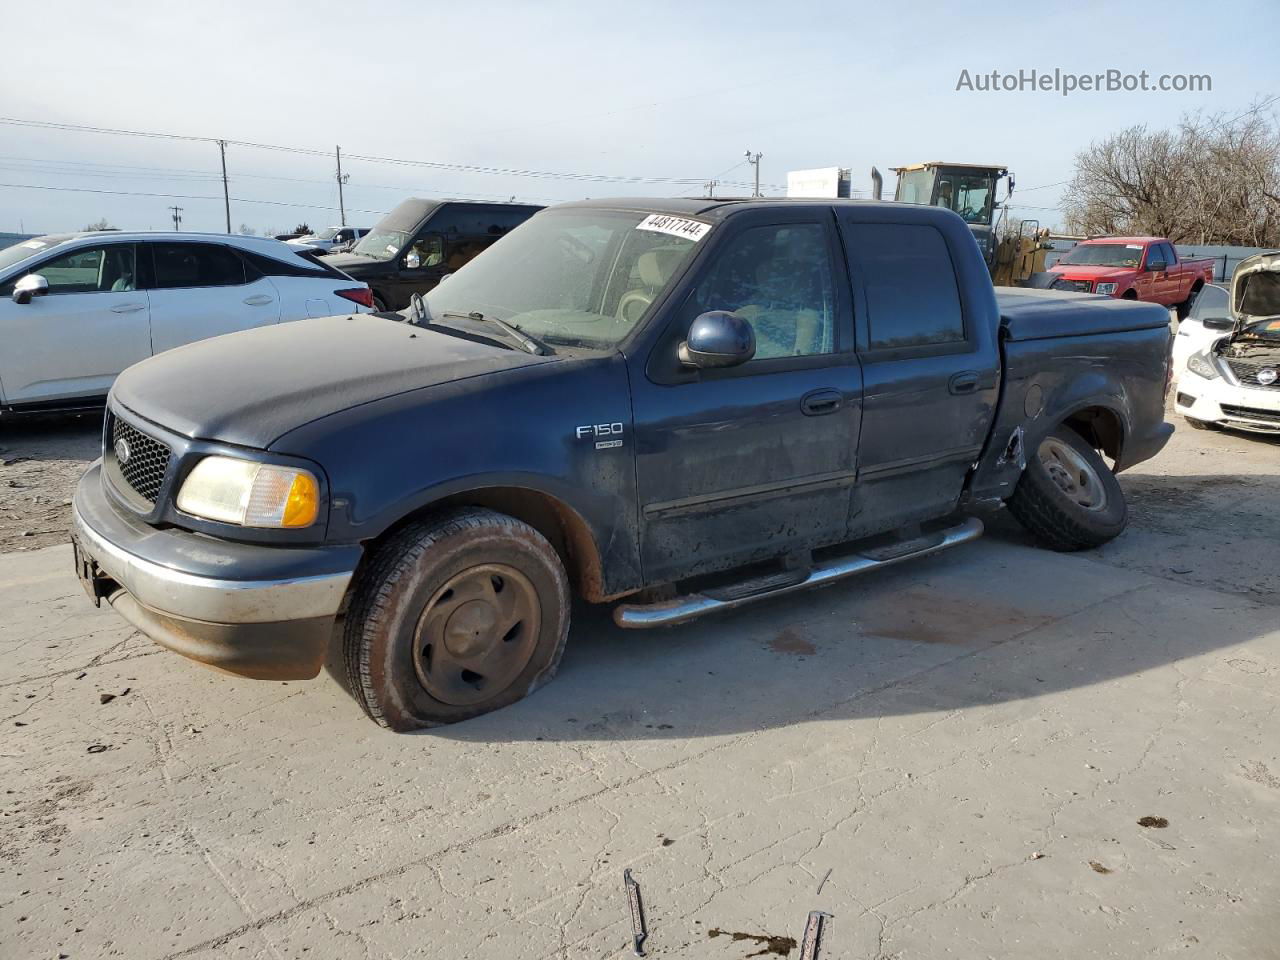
(379, 305)
(455, 617)
(1068, 498)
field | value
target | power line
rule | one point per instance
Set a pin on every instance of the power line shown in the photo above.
(180, 196)
(430, 164)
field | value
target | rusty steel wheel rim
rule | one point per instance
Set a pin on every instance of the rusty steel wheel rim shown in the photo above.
(476, 634)
(1072, 474)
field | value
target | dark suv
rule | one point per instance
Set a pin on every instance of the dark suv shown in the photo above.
(420, 241)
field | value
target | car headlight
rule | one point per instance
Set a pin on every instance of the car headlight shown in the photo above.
(250, 494)
(1202, 365)
(1107, 288)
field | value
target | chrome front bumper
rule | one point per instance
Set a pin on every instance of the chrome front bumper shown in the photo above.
(255, 610)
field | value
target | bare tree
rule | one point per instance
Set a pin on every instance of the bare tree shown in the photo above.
(99, 225)
(247, 231)
(1211, 180)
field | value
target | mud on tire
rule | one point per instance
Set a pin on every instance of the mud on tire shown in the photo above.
(1068, 498)
(453, 617)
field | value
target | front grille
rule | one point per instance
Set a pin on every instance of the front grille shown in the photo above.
(1079, 286)
(1251, 413)
(147, 461)
(1247, 373)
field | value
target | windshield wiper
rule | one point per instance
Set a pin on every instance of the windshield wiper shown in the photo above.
(529, 343)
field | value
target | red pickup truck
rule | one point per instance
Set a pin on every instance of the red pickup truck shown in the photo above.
(1133, 268)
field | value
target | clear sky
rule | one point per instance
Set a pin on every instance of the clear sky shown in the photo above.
(650, 89)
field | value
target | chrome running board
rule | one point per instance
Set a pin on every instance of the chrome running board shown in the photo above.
(668, 612)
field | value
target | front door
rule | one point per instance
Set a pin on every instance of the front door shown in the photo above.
(202, 290)
(930, 366)
(754, 461)
(73, 342)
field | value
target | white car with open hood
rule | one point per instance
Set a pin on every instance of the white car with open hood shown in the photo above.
(1226, 356)
(77, 309)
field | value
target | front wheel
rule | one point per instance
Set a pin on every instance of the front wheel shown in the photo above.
(455, 617)
(1067, 497)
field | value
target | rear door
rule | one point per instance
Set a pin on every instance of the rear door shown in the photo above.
(201, 290)
(73, 342)
(930, 368)
(754, 461)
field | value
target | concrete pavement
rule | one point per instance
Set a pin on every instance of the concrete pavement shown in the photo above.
(952, 757)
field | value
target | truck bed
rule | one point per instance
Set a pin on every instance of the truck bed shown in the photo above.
(1029, 314)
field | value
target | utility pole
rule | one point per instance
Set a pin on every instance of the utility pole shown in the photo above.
(342, 209)
(177, 217)
(710, 187)
(226, 196)
(754, 160)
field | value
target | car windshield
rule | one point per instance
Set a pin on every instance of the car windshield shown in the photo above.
(381, 244)
(24, 250)
(1104, 255)
(328, 233)
(573, 276)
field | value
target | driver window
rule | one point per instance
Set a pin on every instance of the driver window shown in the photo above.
(95, 270)
(426, 251)
(777, 278)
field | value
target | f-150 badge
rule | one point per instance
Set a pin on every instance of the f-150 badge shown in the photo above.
(607, 435)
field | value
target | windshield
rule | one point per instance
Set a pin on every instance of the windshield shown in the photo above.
(22, 251)
(1104, 255)
(328, 233)
(381, 244)
(969, 196)
(915, 186)
(581, 277)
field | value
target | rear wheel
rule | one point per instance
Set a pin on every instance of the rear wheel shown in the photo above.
(1068, 497)
(455, 617)
(379, 304)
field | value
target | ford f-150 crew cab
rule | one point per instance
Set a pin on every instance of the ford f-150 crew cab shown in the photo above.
(1133, 268)
(682, 405)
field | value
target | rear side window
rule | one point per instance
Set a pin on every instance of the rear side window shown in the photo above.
(478, 221)
(910, 282)
(196, 265)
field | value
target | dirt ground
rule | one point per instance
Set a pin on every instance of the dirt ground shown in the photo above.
(40, 461)
(997, 752)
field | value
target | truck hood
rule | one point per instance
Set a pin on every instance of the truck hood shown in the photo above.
(353, 264)
(250, 388)
(1255, 294)
(1085, 271)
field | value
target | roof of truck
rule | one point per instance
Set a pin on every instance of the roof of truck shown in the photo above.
(1125, 240)
(715, 208)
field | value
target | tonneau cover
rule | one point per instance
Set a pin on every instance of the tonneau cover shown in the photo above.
(1029, 314)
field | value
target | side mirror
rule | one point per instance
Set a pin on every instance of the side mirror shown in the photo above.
(412, 260)
(718, 339)
(1218, 323)
(1156, 266)
(32, 285)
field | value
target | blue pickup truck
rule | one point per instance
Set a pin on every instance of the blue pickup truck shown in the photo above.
(677, 406)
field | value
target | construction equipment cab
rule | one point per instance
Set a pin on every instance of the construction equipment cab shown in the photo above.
(676, 406)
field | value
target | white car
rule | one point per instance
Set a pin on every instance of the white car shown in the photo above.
(1226, 355)
(329, 239)
(76, 309)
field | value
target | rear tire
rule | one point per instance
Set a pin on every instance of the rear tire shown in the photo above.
(379, 305)
(454, 617)
(1068, 498)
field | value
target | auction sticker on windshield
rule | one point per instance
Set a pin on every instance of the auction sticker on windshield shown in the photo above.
(676, 226)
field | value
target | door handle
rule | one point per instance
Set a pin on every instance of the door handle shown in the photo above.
(258, 299)
(819, 402)
(128, 307)
(965, 382)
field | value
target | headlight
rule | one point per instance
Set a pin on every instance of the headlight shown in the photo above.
(1107, 288)
(1201, 364)
(250, 494)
